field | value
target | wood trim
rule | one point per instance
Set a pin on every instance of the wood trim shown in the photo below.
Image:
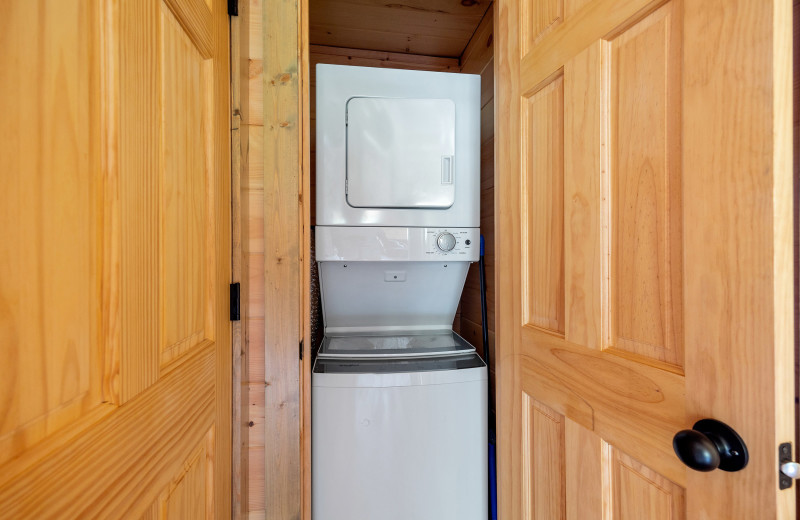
(222, 202)
(239, 437)
(507, 222)
(393, 60)
(283, 278)
(479, 52)
(305, 216)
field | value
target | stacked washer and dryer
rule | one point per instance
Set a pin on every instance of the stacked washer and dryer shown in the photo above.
(399, 400)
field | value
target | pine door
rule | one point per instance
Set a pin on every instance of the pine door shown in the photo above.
(114, 259)
(644, 249)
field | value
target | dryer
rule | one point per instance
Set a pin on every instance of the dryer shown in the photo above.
(397, 148)
(399, 400)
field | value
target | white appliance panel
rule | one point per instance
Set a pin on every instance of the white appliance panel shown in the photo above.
(400, 153)
(413, 204)
(390, 296)
(400, 452)
(364, 244)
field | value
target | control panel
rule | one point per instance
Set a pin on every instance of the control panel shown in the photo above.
(453, 242)
(398, 244)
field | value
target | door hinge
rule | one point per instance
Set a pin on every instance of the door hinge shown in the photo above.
(301, 350)
(235, 302)
(233, 7)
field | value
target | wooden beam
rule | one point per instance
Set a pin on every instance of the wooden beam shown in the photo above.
(283, 279)
(306, 201)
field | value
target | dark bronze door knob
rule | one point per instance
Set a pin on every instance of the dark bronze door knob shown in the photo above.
(710, 445)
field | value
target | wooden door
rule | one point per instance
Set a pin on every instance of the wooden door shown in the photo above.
(114, 259)
(644, 278)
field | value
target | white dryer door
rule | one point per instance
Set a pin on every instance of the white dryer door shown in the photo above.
(400, 153)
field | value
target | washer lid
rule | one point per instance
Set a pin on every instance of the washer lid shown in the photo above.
(385, 373)
(414, 344)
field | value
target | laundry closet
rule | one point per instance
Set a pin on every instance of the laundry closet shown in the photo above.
(449, 37)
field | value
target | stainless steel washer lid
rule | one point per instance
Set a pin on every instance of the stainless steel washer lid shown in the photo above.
(416, 344)
(397, 372)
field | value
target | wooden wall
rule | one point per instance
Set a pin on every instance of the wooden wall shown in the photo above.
(478, 58)
(274, 75)
(252, 188)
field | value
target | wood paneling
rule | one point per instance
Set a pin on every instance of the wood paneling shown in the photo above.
(645, 176)
(677, 253)
(106, 100)
(640, 492)
(537, 18)
(543, 453)
(372, 58)
(479, 53)
(434, 27)
(283, 262)
(187, 267)
(190, 494)
(51, 319)
(584, 164)
(139, 187)
(587, 473)
(168, 420)
(240, 363)
(543, 187)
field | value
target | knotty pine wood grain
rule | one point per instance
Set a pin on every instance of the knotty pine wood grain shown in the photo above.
(283, 268)
(432, 27)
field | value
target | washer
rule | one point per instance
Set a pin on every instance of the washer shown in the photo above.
(396, 439)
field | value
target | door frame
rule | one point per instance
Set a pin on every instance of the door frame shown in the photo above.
(270, 83)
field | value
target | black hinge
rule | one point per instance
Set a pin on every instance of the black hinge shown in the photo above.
(233, 7)
(301, 350)
(235, 292)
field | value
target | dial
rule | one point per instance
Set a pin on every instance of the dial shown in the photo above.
(446, 242)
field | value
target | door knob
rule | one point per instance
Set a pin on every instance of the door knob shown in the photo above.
(710, 445)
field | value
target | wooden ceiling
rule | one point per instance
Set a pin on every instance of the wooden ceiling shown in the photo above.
(430, 27)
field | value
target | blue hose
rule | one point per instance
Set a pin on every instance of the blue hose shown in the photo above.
(492, 452)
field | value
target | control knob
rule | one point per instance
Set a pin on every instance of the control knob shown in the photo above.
(446, 242)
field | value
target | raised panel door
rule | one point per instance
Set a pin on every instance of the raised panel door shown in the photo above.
(643, 276)
(115, 260)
